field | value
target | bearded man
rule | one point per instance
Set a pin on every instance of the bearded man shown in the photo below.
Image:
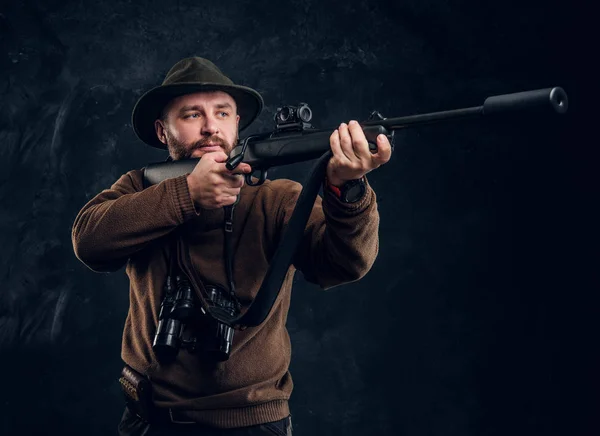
(197, 112)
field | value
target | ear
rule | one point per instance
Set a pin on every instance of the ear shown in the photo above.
(159, 127)
(237, 122)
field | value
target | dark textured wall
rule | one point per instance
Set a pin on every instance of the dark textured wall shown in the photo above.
(479, 317)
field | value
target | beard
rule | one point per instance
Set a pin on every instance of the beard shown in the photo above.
(180, 150)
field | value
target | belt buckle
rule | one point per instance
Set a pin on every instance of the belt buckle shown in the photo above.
(175, 421)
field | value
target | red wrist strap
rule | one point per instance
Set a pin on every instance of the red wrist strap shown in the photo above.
(334, 189)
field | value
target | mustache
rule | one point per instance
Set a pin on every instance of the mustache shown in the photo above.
(210, 140)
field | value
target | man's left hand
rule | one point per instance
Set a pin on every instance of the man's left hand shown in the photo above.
(352, 158)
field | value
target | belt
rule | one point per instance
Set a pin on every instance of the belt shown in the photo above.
(170, 416)
(162, 416)
(176, 418)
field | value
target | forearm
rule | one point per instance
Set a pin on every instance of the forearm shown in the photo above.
(341, 241)
(122, 220)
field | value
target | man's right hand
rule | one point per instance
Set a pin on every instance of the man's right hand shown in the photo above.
(212, 185)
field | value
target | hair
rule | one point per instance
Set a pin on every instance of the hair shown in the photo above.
(162, 115)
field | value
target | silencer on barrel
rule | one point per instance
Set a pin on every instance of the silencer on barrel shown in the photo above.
(555, 98)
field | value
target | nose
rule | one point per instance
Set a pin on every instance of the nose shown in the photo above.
(209, 127)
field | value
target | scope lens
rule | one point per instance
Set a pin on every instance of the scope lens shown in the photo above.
(284, 114)
(305, 114)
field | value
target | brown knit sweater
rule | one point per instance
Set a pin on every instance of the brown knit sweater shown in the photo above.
(129, 225)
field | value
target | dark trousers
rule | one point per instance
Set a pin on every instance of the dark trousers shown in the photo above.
(133, 425)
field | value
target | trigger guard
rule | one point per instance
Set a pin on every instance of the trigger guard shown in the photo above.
(260, 181)
(248, 179)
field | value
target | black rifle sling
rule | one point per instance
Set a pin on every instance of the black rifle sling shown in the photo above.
(282, 259)
(175, 245)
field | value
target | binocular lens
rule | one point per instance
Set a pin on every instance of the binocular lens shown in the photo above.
(167, 339)
(218, 346)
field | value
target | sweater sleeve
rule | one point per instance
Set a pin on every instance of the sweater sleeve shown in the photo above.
(122, 220)
(340, 242)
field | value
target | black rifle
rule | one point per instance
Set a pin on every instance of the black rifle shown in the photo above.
(295, 140)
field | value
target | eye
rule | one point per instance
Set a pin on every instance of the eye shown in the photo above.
(191, 115)
(223, 114)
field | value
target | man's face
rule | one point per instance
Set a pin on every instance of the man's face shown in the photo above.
(195, 124)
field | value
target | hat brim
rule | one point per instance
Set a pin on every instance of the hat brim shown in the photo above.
(150, 105)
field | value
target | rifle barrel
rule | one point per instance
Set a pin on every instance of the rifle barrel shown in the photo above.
(402, 122)
(538, 99)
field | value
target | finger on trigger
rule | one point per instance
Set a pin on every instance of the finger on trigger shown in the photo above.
(245, 168)
(242, 168)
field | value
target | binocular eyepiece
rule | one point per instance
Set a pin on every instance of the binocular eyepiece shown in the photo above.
(178, 310)
(183, 305)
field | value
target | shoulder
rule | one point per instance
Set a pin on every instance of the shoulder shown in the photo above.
(131, 180)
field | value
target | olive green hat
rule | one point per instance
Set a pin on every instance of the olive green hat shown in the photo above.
(190, 75)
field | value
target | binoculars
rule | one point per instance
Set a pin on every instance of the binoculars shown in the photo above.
(180, 314)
